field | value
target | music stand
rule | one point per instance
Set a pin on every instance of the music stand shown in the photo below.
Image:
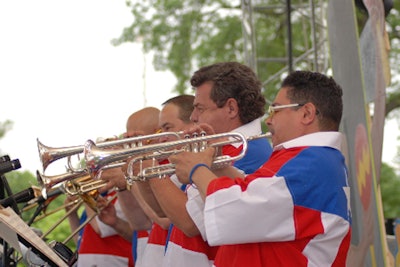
(15, 231)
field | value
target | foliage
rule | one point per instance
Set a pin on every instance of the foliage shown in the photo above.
(5, 127)
(390, 188)
(393, 31)
(187, 34)
(183, 35)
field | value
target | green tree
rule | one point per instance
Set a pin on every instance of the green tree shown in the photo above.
(187, 34)
(5, 127)
(184, 35)
(390, 188)
(392, 22)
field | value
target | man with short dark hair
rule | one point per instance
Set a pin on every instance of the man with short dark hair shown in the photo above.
(295, 209)
(228, 98)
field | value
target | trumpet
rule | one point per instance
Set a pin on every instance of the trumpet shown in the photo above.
(97, 158)
(48, 154)
(47, 182)
(218, 162)
(83, 185)
(73, 183)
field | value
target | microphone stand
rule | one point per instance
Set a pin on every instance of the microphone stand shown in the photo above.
(5, 188)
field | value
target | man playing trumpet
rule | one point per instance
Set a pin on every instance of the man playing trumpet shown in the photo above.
(298, 201)
(227, 98)
(107, 240)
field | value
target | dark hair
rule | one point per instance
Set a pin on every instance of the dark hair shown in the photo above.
(322, 91)
(233, 80)
(185, 105)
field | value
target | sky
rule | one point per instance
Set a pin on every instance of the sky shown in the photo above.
(62, 82)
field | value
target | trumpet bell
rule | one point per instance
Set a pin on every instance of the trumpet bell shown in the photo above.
(48, 154)
(47, 182)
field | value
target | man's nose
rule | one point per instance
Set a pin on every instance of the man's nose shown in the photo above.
(193, 117)
(268, 120)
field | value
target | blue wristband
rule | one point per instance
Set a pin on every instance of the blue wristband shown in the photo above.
(194, 169)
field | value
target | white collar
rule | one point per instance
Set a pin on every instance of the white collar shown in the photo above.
(252, 128)
(328, 139)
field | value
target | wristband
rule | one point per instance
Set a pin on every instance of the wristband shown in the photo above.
(127, 187)
(194, 169)
(119, 189)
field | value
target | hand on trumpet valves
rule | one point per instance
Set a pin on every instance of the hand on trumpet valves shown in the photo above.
(115, 178)
(134, 170)
(204, 129)
(70, 202)
(101, 203)
(108, 215)
(186, 161)
(135, 134)
(199, 129)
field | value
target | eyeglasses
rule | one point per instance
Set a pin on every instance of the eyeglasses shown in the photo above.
(272, 109)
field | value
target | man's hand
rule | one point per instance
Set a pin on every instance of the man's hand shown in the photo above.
(185, 161)
(108, 215)
(115, 179)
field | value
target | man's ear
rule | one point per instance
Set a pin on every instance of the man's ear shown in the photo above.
(232, 106)
(309, 113)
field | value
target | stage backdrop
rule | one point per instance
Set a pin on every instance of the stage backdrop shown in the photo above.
(363, 148)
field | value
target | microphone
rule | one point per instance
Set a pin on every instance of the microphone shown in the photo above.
(4, 158)
(8, 166)
(46, 195)
(20, 197)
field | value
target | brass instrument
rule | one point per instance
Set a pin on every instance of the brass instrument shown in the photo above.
(69, 183)
(47, 182)
(83, 185)
(88, 195)
(198, 142)
(48, 155)
(97, 158)
(97, 210)
(77, 204)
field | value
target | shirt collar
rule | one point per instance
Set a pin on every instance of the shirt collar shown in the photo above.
(252, 128)
(327, 139)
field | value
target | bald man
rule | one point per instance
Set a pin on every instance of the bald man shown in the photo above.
(144, 120)
(107, 240)
(139, 215)
(141, 122)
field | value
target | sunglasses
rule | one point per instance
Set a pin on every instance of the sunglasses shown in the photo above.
(272, 109)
